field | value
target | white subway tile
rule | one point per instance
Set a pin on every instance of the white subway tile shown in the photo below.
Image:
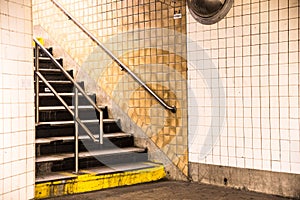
(266, 165)
(285, 167)
(257, 164)
(30, 191)
(15, 183)
(285, 156)
(7, 170)
(295, 146)
(270, 96)
(295, 168)
(30, 150)
(22, 180)
(295, 157)
(23, 193)
(276, 167)
(30, 177)
(7, 185)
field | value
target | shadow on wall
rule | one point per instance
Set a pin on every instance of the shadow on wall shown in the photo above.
(163, 69)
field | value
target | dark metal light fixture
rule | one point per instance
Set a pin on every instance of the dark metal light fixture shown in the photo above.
(209, 11)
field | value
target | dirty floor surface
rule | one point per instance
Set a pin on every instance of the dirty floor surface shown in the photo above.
(175, 190)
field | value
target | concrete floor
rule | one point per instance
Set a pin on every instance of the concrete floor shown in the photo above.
(174, 190)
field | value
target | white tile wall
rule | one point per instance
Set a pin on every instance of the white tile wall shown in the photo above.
(246, 66)
(16, 101)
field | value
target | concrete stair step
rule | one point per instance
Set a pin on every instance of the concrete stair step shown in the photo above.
(66, 144)
(95, 153)
(92, 179)
(100, 170)
(59, 108)
(55, 108)
(93, 121)
(60, 113)
(59, 86)
(49, 99)
(51, 70)
(55, 74)
(42, 54)
(49, 140)
(61, 94)
(67, 128)
(57, 123)
(57, 82)
(46, 63)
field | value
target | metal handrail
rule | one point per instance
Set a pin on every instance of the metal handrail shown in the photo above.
(75, 113)
(120, 63)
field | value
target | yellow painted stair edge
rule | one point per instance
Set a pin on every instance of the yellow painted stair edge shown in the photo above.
(93, 182)
(40, 39)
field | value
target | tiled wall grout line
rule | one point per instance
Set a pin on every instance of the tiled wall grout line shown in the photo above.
(269, 75)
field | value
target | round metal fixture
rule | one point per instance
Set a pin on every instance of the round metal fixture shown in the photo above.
(209, 11)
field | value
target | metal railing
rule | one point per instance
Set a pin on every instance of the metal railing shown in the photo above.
(74, 113)
(114, 58)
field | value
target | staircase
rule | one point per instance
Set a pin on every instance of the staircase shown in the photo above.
(116, 162)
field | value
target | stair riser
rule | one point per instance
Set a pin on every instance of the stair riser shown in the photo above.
(54, 131)
(48, 116)
(67, 88)
(68, 130)
(47, 64)
(42, 54)
(68, 164)
(86, 145)
(56, 76)
(114, 159)
(108, 127)
(53, 101)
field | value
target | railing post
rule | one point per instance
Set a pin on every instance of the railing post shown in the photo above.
(76, 132)
(101, 127)
(37, 84)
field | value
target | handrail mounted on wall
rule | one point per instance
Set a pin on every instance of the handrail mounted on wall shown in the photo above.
(114, 58)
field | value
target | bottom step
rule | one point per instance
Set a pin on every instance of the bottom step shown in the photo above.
(97, 178)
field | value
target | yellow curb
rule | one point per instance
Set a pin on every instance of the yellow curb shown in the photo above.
(93, 182)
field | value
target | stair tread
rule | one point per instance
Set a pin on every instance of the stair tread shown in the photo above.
(66, 122)
(46, 58)
(46, 108)
(54, 176)
(60, 93)
(71, 138)
(72, 122)
(58, 82)
(50, 70)
(62, 156)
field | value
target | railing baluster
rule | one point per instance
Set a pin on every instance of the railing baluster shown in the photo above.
(76, 133)
(101, 128)
(37, 84)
